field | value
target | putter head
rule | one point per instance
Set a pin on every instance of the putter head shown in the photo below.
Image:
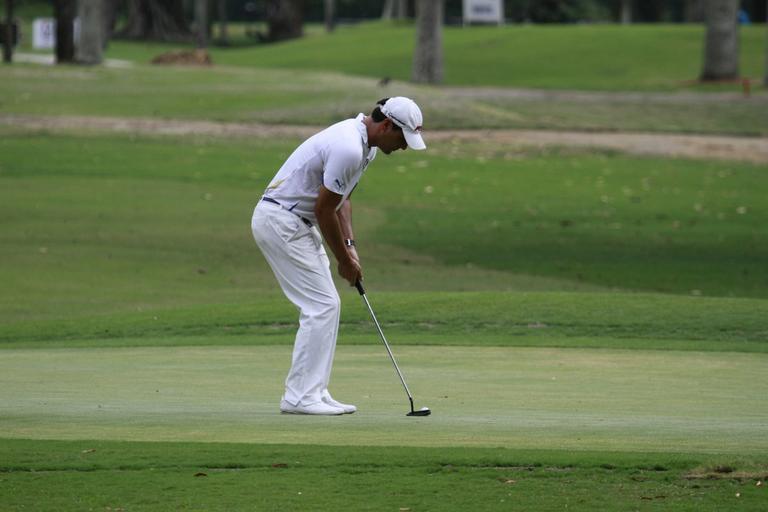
(424, 411)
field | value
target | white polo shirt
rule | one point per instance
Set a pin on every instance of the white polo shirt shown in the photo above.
(336, 157)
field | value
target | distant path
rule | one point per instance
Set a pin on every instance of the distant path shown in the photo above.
(50, 60)
(749, 149)
(675, 97)
(659, 144)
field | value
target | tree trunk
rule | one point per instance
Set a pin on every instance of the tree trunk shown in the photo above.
(91, 43)
(428, 57)
(136, 28)
(765, 80)
(64, 12)
(8, 36)
(201, 23)
(110, 19)
(721, 46)
(626, 12)
(388, 10)
(694, 11)
(285, 19)
(330, 15)
(223, 21)
(156, 20)
(402, 9)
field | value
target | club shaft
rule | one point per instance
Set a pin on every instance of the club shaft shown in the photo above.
(389, 350)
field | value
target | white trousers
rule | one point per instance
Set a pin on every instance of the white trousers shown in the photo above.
(296, 254)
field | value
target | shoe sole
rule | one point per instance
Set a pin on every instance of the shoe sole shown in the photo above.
(299, 413)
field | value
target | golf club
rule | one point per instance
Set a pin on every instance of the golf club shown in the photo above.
(424, 411)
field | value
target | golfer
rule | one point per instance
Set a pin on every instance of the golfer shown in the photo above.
(308, 201)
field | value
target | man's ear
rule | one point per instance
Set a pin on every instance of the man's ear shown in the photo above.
(383, 126)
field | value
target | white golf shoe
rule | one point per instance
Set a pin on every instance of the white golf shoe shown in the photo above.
(328, 399)
(320, 409)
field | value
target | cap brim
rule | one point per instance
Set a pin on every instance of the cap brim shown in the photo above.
(414, 140)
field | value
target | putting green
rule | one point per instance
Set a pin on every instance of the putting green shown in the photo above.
(577, 399)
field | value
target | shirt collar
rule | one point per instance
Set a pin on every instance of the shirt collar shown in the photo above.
(362, 129)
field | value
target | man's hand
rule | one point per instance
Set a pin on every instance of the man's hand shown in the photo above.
(356, 260)
(351, 271)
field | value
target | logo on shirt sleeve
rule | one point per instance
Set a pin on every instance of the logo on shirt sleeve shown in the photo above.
(340, 184)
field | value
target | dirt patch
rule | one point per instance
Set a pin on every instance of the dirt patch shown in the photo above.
(197, 57)
(748, 149)
(756, 472)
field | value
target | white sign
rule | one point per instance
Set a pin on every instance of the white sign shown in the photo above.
(44, 33)
(484, 11)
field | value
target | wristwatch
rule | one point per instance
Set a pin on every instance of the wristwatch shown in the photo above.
(349, 242)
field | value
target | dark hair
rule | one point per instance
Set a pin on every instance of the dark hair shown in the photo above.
(378, 116)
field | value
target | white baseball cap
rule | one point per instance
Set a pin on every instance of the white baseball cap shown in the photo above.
(405, 113)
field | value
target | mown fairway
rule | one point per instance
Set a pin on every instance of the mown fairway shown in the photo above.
(95, 224)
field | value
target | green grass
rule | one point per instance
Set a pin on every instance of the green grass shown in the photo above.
(108, 224)
(534, 427)
(247, 95)
(226, 94)
(322, 78)
(578, 56)
(649, 224)
(590, 57)
(596, 320)
(587, 57)
(581, 325)
(99, 475)
(562, 399)
(274, 91)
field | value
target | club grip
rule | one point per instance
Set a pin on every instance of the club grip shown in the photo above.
(359, 287)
